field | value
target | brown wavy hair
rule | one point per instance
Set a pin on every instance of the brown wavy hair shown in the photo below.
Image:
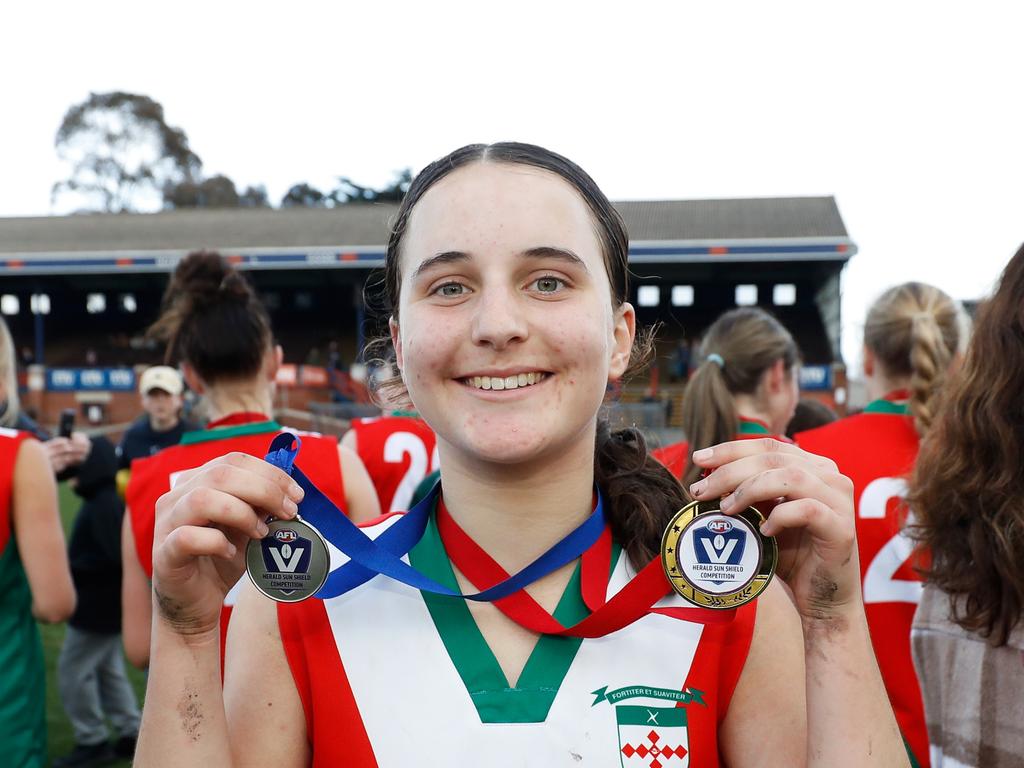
(967, 490)
(642, 495)
(915, 331)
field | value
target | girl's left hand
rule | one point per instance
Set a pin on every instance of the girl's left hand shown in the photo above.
(813, 516)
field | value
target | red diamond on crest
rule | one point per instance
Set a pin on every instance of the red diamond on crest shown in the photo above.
(653, 736)
(642, 751)
(655, 764)
(628, 750)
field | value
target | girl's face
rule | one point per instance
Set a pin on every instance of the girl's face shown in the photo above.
(506, 336)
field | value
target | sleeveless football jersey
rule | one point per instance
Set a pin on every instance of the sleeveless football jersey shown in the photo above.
(398, 452)
(22, 680)
(389, 676)
(153, 476)
(674, 456)
(877, 449)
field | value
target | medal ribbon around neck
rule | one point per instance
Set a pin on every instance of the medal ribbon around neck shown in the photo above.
(383, 555)
(631, 603)
(591, 541)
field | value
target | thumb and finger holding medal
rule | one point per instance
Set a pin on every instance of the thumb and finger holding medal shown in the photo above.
(237, 495)
(812, 503)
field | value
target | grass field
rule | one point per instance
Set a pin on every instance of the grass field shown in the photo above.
(61, 739)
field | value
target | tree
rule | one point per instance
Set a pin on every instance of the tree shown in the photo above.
(123, 155)
(215, 192)
(348, 191)
(303, 195)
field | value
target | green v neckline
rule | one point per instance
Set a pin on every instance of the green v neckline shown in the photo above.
(222, 433)
(887, 407)
(549, 662)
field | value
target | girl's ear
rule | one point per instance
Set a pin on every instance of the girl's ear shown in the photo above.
(396, 342)
(869, 362)
(623, 333)
(192, 378)
(776, 376)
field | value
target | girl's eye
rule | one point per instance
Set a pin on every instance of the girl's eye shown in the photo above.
(450, 290)
(548, 284)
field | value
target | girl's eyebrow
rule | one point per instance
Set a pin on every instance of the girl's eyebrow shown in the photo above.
(540, 252)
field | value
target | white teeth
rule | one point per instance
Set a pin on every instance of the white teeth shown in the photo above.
(506, 382)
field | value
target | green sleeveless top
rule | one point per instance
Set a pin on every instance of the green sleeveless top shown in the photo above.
(22, 677)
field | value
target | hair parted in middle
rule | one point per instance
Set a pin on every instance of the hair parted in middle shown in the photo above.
(736, 351)
(642, 494)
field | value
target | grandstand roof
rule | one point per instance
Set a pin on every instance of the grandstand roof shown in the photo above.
(355, 235)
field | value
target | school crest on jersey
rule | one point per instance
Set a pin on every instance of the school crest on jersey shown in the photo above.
(651, 736)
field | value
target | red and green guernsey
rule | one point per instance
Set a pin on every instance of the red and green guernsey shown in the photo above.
(390, 676)
(398, 451)
(22, 680)
(877, 450)
(249, 433)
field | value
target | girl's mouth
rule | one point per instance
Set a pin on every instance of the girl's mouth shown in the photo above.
(514, 381)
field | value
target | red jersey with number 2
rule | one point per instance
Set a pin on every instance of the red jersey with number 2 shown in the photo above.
(398, 452)
(877, 450)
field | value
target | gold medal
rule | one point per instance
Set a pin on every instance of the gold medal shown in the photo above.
(714, 560)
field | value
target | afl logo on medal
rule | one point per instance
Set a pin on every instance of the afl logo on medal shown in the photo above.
(715, 560)
(290, 563)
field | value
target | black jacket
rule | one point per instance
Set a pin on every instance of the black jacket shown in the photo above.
(95, 547)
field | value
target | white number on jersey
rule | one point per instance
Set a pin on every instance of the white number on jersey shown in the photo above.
(396, 448)
(880, 586)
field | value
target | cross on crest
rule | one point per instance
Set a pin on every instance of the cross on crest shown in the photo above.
(656, 752)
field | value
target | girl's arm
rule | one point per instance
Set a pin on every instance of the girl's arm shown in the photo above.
(39, 535)
(849, 718)
(202, 527)
(766, 725)
(136, 599)
(266, 721)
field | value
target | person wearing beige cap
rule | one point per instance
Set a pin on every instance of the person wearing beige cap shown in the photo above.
(161, 425)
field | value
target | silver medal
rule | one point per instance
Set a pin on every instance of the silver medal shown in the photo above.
(290, 563)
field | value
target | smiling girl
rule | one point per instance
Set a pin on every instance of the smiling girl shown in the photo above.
(507, 276)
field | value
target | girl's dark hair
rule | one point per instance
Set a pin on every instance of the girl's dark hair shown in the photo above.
(737, 349)
(212, 319)
(967, 490)
(642, 494)
(915, 330)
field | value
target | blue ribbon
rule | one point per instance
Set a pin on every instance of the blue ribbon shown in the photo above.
(383, 555)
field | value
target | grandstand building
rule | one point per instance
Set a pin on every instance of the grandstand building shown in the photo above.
(82, 289)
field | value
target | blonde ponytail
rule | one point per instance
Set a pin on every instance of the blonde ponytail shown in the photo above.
(915, 330)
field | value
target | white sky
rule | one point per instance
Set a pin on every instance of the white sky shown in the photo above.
(902, 110)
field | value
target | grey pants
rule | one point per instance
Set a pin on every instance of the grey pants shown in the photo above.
(93, 685)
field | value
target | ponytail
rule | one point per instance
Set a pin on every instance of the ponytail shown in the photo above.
(738, 348)
(708, 414)
(929, 359)
(914, 331)
(213, 319)
(641, 495)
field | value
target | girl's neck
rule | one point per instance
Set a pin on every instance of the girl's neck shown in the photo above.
(250, 396)
(878, 386)
(752, 409)
(516, 513)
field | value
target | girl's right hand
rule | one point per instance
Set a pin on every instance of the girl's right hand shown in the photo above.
(202, 528)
